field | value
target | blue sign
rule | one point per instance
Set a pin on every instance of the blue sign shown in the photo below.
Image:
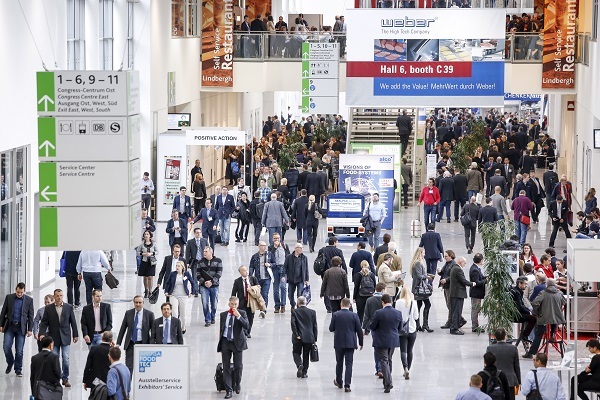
(523, 97)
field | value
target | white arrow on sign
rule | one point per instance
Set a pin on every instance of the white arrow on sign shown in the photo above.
(45, 193)
(46, 99)
(305, 55)
(304, 109)
(305, 91)
(47, 145)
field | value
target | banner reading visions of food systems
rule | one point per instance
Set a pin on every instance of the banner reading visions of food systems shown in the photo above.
(425, 57)
(368, 174)
(218, 22)
(560, 39)
(384, 149)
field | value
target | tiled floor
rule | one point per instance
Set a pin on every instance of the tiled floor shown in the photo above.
(442, 363)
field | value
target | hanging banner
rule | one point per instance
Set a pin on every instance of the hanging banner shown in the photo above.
(173, 178)
(368, 174)
(257, 7)
(425, 57)
(560, 41)
(218, 22)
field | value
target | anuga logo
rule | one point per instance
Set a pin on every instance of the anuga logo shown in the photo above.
(147, 358)
(407, 22)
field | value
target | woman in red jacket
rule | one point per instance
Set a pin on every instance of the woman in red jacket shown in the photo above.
(430, 197)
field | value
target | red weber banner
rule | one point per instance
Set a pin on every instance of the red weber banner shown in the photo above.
(218, 21)
(560, 39)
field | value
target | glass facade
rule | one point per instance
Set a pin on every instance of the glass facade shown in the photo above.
(14, 191)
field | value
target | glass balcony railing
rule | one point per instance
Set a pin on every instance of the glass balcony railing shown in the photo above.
(516, 48)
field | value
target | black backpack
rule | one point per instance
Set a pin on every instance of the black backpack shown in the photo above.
(320, 265)
(367, 286)
(494, 387)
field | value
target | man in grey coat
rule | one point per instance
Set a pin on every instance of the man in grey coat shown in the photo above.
(507, 359)
(548, 306)
(407, 178)
(274, 216)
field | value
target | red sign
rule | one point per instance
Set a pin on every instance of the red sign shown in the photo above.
(417, 69)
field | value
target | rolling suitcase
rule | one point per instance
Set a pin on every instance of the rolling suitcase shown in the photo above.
(219, 380)
(415, 225)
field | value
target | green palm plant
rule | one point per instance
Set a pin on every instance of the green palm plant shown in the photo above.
(498, 305)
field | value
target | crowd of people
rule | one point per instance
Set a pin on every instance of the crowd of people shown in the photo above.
(373, 281)
(283, 41)
(528, 30)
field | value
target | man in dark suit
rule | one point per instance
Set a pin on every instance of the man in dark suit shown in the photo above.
(97, 363)
(208, 215)
(537, 195)
(446, 188)
(314, 184)
(526, 163)
(431, 242)
(62, 328)
(71, 258)
(346, 326)
(240, 290)
(232, 342)
(360, 255)
(299, 213)
(508, 172)
(166, 330)
(404, 125)
(225, 205)
(387, 238)
(507, 360)
(385, 326)
(461, 196)
(45, 365)
(498, 180)
(477, 292)
(489, 213)
(169, 264)
(458, 294)
(558, 213)
(90, 322)
(195, 250)
(304, 335)
(183, 204)
(136, 328)
(177, 228)
(472, 209)
(16, 321)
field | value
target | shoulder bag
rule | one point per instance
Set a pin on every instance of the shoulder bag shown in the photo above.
(466, 219)
(535, 393)
(525, 219)
(424, 289)
(45, 390)
(62, 272)
(405, 327)
(125, 396)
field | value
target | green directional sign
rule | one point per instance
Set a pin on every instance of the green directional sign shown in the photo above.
(49, 227)
(45, 92)
(305, 50)
(48, 187)
(46, 137)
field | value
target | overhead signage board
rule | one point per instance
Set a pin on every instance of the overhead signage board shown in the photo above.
(560, 44)
(78, 93)
(154, 377)
(92, 138)
(320, 78)
(111, 227)
(425, 57)
(73, 183)
(215, 137)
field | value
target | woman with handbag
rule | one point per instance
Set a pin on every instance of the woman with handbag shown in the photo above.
(407, 305)
(179, 286)
(243, 210)
(313, 215)
(364, 287)
(421, 288)
(147, 251)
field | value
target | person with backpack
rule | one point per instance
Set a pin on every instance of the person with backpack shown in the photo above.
(410, 314)
(335, 284)
(494, 382)
(364, 287)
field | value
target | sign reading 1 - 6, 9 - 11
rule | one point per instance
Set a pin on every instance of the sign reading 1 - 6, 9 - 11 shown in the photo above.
(87, 93)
